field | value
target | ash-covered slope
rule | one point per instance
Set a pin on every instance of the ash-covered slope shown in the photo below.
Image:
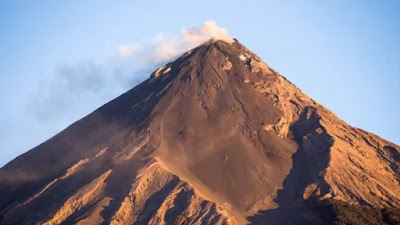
(215, 137)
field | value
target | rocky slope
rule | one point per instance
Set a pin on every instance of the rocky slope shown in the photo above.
(215, 137)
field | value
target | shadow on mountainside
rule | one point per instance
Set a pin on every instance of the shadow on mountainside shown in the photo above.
(310, 159)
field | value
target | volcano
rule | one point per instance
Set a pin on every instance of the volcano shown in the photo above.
(215, 137)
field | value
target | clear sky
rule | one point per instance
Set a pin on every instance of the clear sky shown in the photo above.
(59, 60)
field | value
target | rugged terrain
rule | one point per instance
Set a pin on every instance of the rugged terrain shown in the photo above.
(215, 137)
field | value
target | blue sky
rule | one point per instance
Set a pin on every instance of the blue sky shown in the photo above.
(61, 60)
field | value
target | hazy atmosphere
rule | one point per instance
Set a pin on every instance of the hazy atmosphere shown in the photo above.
(60, 61)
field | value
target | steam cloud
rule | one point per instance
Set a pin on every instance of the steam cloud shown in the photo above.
(189, 38)
(78, 88)
(166, 46)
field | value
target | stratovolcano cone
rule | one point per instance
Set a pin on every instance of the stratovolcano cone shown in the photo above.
(215, 137)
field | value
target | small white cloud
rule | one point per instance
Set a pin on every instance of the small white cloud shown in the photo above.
(198, 35)
(169, 47)
(166, 47)
(127, 50)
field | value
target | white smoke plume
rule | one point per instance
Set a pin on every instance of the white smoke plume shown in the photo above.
(87, 84)
(194, 36)
(167, 47)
